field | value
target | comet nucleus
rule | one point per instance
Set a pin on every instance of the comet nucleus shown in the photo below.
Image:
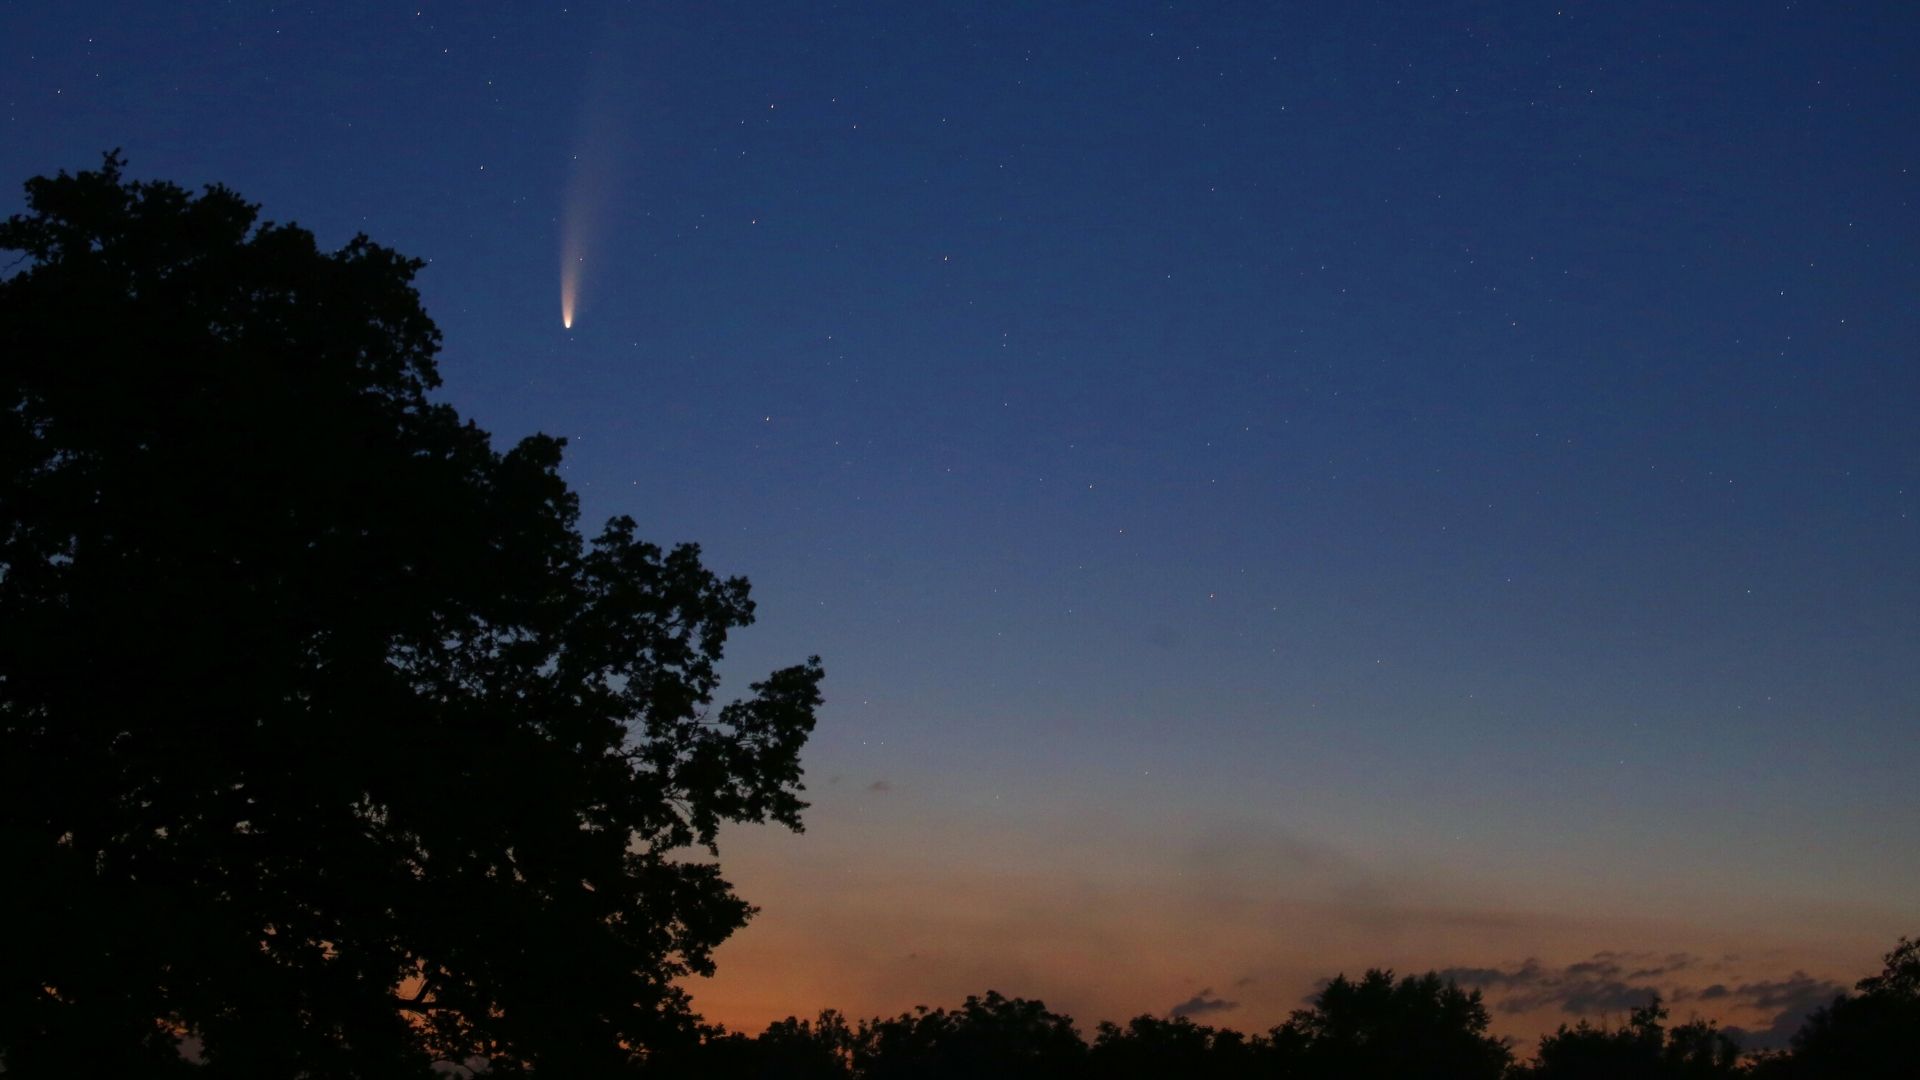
(596, 171)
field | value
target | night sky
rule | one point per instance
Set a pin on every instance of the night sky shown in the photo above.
(1277, 489)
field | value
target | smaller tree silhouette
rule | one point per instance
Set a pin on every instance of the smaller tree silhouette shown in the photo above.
(991, 1036)
(1150, 1048)
(1419, 1028)
(1643, 1047)
(790, 1049)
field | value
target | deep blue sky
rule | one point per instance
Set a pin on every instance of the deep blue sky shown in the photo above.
(1259, 475)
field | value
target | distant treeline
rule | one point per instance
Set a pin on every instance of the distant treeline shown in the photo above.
(1414, 1028)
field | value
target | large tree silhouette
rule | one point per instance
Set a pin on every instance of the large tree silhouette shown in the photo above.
(1419, 1028)
(326, 742)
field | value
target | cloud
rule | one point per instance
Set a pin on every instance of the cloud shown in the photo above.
(1795, 997)
(1527, 974)
(1796, 989)
(1612, 982)
(1599, 985)
(1201, 1004)
(1672, 962)
(1599, 996)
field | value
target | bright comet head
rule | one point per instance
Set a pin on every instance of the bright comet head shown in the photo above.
(569, 290)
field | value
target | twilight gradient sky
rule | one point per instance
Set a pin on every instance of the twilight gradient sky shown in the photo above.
(1278, 488)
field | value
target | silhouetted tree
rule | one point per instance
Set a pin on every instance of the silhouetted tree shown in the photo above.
(1642, 1049)
(1150, 1048)
(1699, 1050)
(1419, 1028)
(1872, 1034)
(790, 1049)
(324, 738)
(991, 1036)
(820, 1050)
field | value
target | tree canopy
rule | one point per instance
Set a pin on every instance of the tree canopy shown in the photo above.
(1642, 1048)
(987, 1036)
(327, 742)
(1421, 1026)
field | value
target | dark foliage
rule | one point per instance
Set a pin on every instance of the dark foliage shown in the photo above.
(996, 1036)
(1643, 1049)
(1149, 1048)
(1418, 1028)
(789, 1049)
(325, 739)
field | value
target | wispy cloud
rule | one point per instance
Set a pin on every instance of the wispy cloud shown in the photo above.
(1793, 998)
(1609, 982)
(1202, 1004)
(1613, 982)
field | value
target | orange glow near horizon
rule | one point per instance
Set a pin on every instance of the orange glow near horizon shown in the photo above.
(1117, 939)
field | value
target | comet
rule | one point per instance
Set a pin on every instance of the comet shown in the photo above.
(582, 209)
(596, 173)
(589, 184)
